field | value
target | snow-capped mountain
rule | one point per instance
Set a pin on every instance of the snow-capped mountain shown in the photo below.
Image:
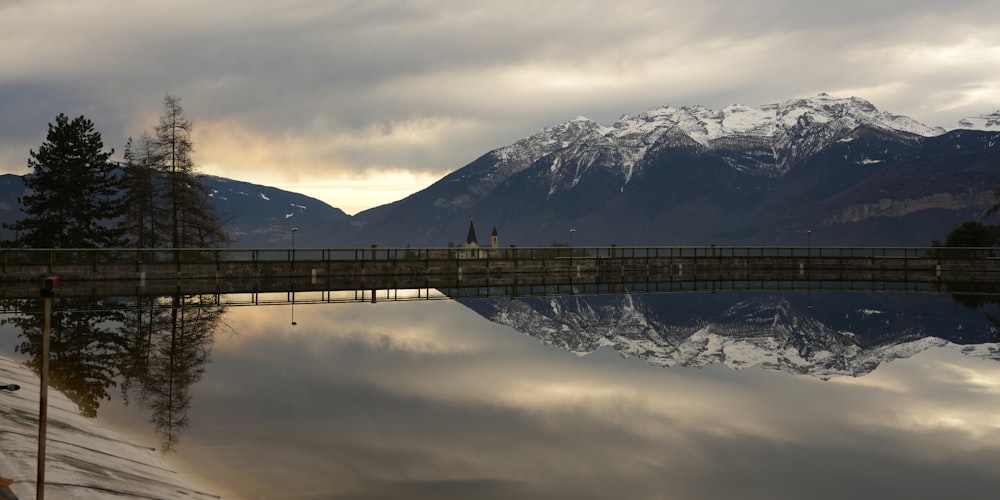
(692, 175)
(780, 128)
(838, 168)
(743, 330)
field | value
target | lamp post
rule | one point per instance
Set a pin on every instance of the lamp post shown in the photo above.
(571, 231)
(294, 230)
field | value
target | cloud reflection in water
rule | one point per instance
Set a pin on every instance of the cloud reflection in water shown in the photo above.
(428, 400)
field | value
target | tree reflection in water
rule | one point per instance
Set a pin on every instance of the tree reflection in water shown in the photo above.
(155, 347)
(976, 296)
(85, 347)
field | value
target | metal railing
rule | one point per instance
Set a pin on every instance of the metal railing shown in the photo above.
(104, 256)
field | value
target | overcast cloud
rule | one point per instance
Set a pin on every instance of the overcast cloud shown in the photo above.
(362, 102)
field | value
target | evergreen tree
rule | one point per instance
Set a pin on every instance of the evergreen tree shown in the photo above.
(72, 197)
(973, 234)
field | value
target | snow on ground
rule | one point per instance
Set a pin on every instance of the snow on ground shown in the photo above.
(83, 460)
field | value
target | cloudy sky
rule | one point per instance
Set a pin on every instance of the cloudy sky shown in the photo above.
(362, 102)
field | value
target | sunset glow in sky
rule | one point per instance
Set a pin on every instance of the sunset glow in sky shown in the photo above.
(360, 103)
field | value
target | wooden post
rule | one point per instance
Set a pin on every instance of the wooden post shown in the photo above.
(48, 291)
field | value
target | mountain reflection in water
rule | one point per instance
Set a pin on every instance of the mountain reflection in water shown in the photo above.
(819, 334)
(428, 400)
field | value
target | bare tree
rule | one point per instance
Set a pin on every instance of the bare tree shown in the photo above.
(144, 216)
(166, 193)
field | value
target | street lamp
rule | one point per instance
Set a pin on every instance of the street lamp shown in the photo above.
(294, 230)
(571, 231)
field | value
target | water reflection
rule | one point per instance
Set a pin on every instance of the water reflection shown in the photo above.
(156, 348)
(168, 350)
(819, 334)
(429, 400)
(85, 347)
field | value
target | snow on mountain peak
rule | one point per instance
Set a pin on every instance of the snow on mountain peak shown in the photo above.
(550, 139)
(782, 132)
(764, 332)
(705, 125)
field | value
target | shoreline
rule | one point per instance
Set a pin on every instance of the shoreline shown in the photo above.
(84, 459)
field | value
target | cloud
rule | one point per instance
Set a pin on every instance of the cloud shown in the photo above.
(344, 89)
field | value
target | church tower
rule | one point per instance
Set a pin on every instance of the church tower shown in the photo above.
(470, 240)
(494, 239)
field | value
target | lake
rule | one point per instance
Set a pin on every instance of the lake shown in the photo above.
(771, 396)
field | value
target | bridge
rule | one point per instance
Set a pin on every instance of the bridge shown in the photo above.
(513, 271)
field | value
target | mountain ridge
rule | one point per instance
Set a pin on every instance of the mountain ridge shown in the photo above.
(696, 176)
(836, 167)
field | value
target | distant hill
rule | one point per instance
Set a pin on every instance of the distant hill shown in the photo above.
(262, 216)
(257, 216)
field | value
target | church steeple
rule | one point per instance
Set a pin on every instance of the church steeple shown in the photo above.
(471, 238)
(494, 238)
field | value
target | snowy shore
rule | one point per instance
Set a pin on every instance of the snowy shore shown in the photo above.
(83, 460)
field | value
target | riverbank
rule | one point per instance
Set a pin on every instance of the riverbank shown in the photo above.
(84, 460)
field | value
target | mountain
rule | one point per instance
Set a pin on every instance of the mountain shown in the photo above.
(823, 335)
(257, 216)
(262, 216)
(838, 167)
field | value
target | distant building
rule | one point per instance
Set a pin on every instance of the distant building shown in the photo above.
(471, 248)
(470, 240)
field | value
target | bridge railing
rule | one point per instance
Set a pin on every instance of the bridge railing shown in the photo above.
(104, 256)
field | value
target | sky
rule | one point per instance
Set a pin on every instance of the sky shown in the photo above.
(360, 103)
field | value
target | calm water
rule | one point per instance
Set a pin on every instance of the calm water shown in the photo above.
(431, 400)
